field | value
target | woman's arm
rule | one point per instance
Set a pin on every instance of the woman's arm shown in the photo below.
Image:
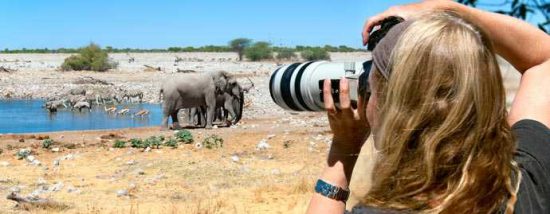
(350, 131)
(524, 46)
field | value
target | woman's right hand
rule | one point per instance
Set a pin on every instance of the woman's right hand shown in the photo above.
(404, 11)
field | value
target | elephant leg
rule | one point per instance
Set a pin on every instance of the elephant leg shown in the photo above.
(210, 110)
(164, 123)
(175, 122)
(190, 116)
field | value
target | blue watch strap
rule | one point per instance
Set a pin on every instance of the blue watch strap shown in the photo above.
(331, 191)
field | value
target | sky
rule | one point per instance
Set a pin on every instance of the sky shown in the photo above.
(168, 23)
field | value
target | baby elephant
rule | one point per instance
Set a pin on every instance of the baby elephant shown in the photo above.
(82, 104)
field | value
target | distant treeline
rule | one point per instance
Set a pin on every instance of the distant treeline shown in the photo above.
(208, 48)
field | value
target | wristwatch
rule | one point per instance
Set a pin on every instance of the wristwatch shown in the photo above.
(331, 191)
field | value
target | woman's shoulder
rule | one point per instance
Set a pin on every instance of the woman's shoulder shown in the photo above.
(533, 142)
(533, 158)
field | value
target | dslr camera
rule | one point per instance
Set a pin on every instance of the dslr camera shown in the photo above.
(299, 86)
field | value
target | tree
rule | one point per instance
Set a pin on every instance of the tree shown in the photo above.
(239, 45)
(91, 57)
(259, 51)
(519, 9)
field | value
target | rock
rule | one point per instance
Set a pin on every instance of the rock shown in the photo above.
(269, 137)
(148, 149)
(122, 193)
(41, 181)
(39, 191)
(68, 157)
(235, 158)
(56, 162)
(36, 163)
(31, 158)
(4, 163)
(72, 189)
(131, 162)
(57, 187)
(16, 189)
(263, 145)
(198, 145)
(139, 171)
(275, 171)
(56, 149)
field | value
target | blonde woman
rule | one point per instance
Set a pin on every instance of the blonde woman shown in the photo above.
(437, 113)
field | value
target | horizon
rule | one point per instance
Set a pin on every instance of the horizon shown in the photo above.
(141, 24)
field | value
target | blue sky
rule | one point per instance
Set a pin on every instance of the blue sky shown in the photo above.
(166, 23)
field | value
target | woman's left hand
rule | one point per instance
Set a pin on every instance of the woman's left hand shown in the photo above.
(349, 129)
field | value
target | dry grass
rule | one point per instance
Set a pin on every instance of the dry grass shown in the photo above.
(183, 180)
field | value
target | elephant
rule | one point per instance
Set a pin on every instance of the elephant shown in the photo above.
(193, 90)
(227, 104)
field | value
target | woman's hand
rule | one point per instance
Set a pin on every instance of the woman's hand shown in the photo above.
(350, 131)
(404, 11)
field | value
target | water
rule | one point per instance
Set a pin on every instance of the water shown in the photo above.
(28, 116)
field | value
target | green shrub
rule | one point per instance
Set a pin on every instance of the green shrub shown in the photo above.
(119, 144)
(171, 143)
(23, 153)
(213, 141)
(153, 142)
(286, 53)
(184, 136)
(315, 54)
(136, 143)
(47, 143)
(259, 51)
(91, 58)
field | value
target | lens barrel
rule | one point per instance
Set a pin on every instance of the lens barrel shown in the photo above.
(299, 86)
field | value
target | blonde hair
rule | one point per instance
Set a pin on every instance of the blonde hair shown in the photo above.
(445, 144)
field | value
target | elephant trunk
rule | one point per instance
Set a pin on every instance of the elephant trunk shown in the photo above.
(161, 92)
(241, 106)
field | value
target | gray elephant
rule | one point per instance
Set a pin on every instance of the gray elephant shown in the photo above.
(193, 90)
(230, 103)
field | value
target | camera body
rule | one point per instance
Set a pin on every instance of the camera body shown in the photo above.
(299, 86)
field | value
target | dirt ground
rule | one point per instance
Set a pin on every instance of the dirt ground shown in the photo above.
(183, 180)
(87, 175)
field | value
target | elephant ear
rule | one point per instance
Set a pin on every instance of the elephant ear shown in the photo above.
(220, 81)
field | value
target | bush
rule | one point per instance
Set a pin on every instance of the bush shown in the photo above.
(259, 51)
(91, 58)
(136, 143)
(153, 142)
(286, 53)
(315, 54)
(47, 143)
(171, 143)
(119, 144)
(184, 136)
(213, 141)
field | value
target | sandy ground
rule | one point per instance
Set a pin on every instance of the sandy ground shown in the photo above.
(238, 178)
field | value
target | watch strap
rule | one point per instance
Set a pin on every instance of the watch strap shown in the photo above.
(331, 191)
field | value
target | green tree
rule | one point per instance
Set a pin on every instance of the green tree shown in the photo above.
(259, 51)
(519, 9)
(312, 54)
(91, 57)
(239, 45)
(285, 54)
